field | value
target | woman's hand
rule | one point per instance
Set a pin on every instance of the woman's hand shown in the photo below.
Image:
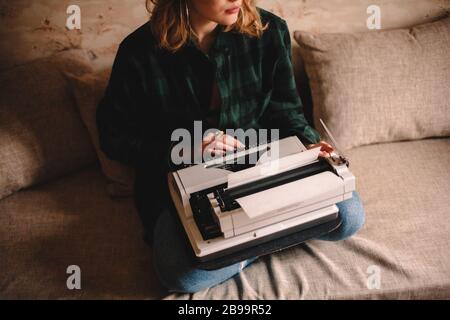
(325, 150)
(217, 144)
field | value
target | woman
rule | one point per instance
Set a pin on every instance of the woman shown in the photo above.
(224, 62)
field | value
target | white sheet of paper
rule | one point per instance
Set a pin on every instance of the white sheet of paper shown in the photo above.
(289, 196)
(269, 201)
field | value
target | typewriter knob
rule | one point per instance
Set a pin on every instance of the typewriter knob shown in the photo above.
(339, 160)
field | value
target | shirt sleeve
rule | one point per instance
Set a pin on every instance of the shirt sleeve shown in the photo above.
(285, 109)
(124, 125)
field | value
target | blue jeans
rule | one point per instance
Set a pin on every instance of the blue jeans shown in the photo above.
(178, 274)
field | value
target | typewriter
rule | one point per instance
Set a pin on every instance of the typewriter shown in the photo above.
(232, 209)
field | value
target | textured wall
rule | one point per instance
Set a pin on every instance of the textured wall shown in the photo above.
(32, 29)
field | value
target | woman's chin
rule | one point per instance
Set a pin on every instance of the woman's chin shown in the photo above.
(228, 20)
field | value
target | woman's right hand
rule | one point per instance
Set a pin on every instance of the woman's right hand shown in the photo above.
(217, 144)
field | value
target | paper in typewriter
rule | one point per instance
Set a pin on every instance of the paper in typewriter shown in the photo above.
(284, 197)
(289, 196)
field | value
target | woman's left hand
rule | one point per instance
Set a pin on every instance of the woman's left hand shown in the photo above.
(325, 150)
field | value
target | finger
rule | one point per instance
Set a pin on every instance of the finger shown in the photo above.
(208, 138)
(238, 144)
(217, 153)
(211, 152)
(323, 143)
(328, 145)
(324, 154)
(218, 145)
(232, 141)
(326, 149)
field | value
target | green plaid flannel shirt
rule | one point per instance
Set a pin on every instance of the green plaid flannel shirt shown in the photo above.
(151, 91)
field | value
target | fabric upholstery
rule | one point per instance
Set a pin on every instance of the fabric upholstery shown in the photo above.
(88, 90)
(41, 134)
(380, 86)
(73, 221)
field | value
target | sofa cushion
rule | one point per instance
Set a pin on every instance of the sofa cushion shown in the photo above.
(406, 237)
(88, 90)
(73, 221)
(380, 86)
(41, 134)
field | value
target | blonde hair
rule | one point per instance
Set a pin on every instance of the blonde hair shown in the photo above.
(170, 22)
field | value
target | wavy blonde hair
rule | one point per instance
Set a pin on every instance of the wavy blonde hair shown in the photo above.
(170, 25)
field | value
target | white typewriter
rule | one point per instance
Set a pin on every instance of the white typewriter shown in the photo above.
(225, 206)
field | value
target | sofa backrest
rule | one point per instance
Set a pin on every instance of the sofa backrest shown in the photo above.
(41, 133)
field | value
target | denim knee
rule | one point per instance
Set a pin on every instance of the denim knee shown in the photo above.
(351, 212)
(191, 279)
(174, 266)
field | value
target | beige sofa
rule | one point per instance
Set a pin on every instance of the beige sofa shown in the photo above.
(55, 209)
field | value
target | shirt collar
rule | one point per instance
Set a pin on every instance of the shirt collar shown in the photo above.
(220, 47)
(220, 44)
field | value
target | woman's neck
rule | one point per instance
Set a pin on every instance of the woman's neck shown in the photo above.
(204, 30)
